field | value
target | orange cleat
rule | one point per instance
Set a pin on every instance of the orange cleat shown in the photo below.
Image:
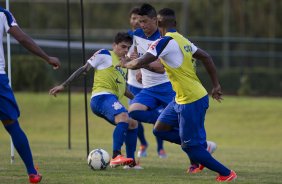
(193, 169)
(231, 177)
(120, 160)
(35, 178)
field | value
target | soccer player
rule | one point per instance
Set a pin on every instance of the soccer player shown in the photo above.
(9, 111)
(133, 20)
(191, 102)
(109, 86)
(157, 90)
(134, 79)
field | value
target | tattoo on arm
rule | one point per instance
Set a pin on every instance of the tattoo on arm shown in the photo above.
(76, 74)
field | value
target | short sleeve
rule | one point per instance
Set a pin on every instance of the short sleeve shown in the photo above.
(194, 48)
(100, 59)
(8, 20)
(158, 48)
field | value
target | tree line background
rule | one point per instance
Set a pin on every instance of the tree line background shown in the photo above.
(243, 37)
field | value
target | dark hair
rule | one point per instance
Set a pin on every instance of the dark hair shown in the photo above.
(169, 19)
(147, 9)
(122, 37)
(134, 10)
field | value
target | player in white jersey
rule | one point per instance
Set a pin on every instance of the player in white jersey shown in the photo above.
(157, 91)
(134, 79)
(9, 111)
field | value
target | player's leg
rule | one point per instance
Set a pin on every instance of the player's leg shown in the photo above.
(140, 109)
(21, 144)
(9, 113)
(167, 125)
(193, 136)
(131, 142)
(108, 107)
(144, 108)
(140, 133)
(143, 141)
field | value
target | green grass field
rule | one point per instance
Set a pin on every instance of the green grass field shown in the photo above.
(248, 132)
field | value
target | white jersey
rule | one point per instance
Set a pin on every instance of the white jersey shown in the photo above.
(169, 51)
(131, 79)
(6, 21)
(149, 79)
(131, 74)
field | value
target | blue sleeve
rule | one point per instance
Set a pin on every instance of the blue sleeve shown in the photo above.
(162, 44)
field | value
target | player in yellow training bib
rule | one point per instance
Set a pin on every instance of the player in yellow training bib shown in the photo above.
(187, 112)
(109, 86)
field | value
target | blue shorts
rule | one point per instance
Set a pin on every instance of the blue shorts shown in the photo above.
(133, 90)
(189, 118)
(9, 109)
(107, 106)
(153, 97)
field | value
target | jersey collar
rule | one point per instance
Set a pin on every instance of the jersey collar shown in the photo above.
(172, 30)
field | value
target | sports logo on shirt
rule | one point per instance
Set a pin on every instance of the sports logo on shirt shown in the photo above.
(117, 106)
(153, 45)
(117, 81)
(95, 54)
(188, 48)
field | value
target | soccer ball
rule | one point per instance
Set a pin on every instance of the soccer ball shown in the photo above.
(98, 159)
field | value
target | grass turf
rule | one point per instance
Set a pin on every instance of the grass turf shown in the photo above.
(247, 130)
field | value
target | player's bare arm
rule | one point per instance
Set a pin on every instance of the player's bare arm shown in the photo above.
(156, 67)
(141, 62)
(82, 70)
(210, 67)
(30, 45)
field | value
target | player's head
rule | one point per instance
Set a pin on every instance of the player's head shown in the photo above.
(122, 43)
(148, 19)
(134, 18)
(166, 19)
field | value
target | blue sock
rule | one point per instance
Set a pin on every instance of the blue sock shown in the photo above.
(22, 146)
(201, 155)
(171, 136)
(141, 134)
(150, 116)
(130, 142)
(159, 144)
(119, 135)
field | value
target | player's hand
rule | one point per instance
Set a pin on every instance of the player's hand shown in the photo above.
(139, 76)
(56, 90)
(217, 93)
(122, 62)
(134, 54)
(55, 62)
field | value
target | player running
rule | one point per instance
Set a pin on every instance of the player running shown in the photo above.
(110, 86)
(188, 110)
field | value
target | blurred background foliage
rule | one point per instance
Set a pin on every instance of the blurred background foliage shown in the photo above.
(242, 36)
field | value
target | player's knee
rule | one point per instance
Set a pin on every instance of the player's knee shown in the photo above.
(137, 106)
(8, 122)
(122, 117)
(133, 124)
(159, 126)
